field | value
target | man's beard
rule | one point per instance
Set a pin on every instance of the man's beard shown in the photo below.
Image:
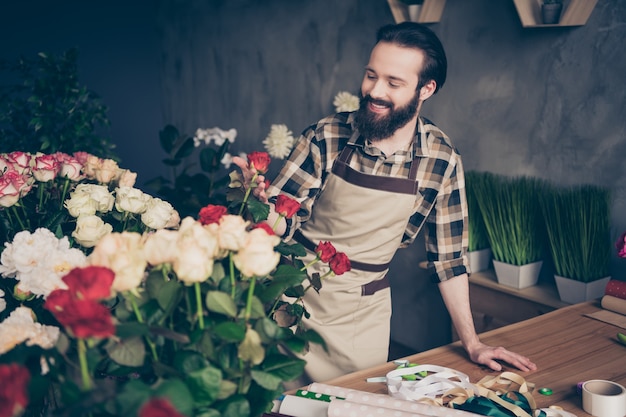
(375, 127)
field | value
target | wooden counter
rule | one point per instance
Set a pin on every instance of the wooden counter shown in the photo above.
(567, 346)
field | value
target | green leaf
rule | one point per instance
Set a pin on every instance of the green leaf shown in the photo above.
(129, 329)
(230, 332)
(168, 137)
(170, 293)
(285, 367)
(208, 160)
(288, 250)
(185, 149)
(133, 395)
(187, 361)
(258, 210)
(251, 349)
(235, 406)
(266, 380)
(204, 385)
(284, 277)
(178, 393)
(227, 388)
(220, 302)
(128, 352)
(269, 330)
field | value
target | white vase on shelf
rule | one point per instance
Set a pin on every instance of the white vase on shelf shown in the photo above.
(574, 292)
(479, 260)
(517, 276)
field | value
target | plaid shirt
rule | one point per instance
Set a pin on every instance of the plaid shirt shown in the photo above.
(440, 204)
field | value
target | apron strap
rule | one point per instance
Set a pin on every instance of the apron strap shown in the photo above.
(342, 169)
(363, 266)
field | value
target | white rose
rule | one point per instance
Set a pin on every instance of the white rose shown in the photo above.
(132, 200)
(3, 302)
(106, 171)
(160, 247)
(232, 232)
(80, 204)
(102, 196)
(257, 257)
(90, 229)
(157, 214)
(123, 254)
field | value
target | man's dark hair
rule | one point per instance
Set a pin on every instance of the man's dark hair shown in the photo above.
(414, 35)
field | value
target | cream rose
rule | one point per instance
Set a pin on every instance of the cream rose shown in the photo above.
(232, 233)
(132, 200)
(126, 178)
(196, 248)
(160, 247)
(257, 257)
(90, 229)
(157, 214)
(106, 171)
(122, 253)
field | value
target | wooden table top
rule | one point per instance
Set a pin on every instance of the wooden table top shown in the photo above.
(567, 346)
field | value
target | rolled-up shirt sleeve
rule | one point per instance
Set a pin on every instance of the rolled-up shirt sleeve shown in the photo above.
(446, 226)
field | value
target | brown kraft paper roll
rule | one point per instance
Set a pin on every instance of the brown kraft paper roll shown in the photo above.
(615, 304)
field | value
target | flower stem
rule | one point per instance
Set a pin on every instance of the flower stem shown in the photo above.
(231, 265)
(66, 185)
(280, 216)
(199, 305)
(139, 317)
(247, 195)
(249, 299)
(84, 368)
(19, 219)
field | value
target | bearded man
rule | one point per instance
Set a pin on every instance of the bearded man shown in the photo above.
(368, 181)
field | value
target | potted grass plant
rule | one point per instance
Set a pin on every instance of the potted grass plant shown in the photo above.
(479, 251)
(577, 221)
(511, 215)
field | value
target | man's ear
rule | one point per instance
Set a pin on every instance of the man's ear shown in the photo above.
(428, 90)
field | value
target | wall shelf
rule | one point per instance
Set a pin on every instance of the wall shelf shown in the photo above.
(575, 12)
(430, 11)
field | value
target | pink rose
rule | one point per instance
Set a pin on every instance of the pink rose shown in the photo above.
(46, 167)
(20, 160)
(81, 157)
(70, 166)
(11, 183)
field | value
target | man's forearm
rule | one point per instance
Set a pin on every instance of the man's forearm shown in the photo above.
(455, 294)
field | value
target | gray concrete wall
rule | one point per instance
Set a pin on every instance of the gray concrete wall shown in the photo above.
(544, 102)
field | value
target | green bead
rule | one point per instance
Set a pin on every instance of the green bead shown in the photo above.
(545, 391)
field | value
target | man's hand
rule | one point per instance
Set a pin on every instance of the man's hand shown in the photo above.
(248, 176)
(489, 355)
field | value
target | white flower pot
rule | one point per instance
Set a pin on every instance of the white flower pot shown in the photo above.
(574, 292)
(479, 259)
(517, 276)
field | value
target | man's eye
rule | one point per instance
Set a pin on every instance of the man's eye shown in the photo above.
(370, 77)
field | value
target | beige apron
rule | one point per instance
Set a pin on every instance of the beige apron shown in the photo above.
(364, 216)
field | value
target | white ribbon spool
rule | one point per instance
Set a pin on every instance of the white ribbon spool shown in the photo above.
(604, 398)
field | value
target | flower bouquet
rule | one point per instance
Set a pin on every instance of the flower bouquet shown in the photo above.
(177, 322)
(80, 196)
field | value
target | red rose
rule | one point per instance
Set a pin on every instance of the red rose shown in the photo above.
(158, 407)
(621, 246)
(267, 184)
(57, 300)
(13, 389)
(85, 318)
(211, 214)
(259, 161)
(265, 227)
(286, 206)
(90, 283)
(325, 251)
(339, 263)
